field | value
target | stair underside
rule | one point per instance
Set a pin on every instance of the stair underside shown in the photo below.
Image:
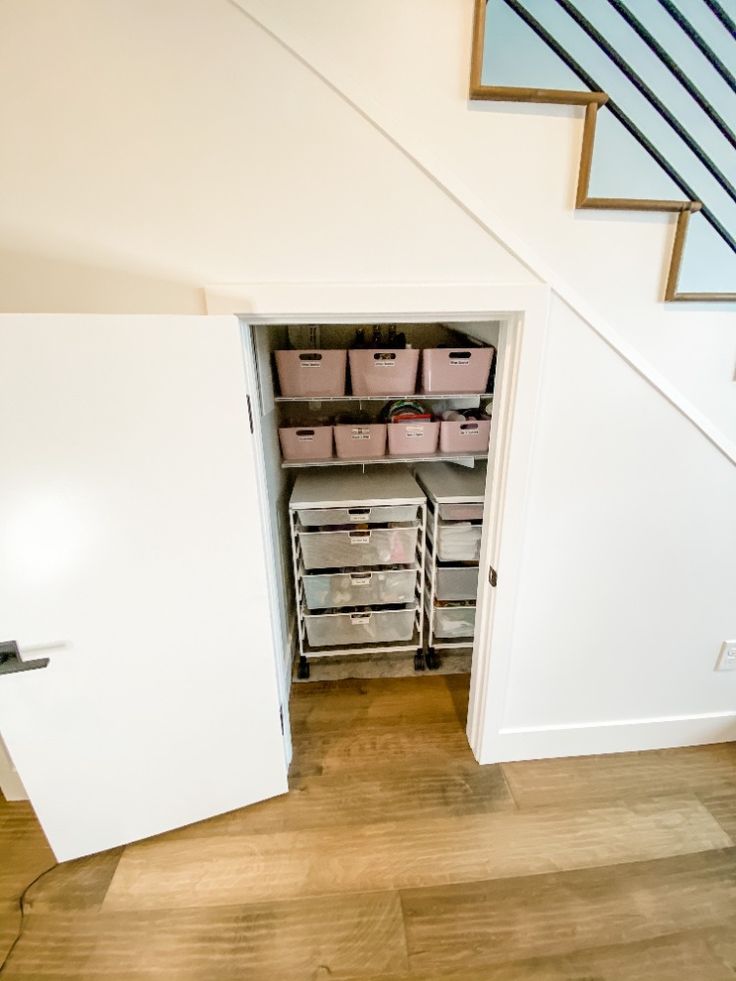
(592, 101)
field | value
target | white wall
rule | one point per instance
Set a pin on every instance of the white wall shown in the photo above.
(627, 585)
(162, 145)
(406, 64)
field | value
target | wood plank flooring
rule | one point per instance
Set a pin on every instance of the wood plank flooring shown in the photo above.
(396, 858)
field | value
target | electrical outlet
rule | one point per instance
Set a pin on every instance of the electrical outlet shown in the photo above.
(727, 657)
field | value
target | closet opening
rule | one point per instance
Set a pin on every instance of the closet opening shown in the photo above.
(375, 445)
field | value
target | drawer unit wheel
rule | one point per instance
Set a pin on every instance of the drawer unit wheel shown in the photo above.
(433, 659)
(302, 672)
(419, 662)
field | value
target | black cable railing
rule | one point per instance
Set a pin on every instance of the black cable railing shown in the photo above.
(621, 116)
(587, 79)
(652, 98)
(692, 90)
(722, 16)
(699, 41)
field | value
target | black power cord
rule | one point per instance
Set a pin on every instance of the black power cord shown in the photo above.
(21, 903)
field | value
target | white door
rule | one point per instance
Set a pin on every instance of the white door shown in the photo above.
(131, 555)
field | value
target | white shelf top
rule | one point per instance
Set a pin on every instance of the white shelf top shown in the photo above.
(448, 484)
(352, 488)
(334, 461)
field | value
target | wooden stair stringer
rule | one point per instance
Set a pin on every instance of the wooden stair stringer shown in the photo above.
(592, 101)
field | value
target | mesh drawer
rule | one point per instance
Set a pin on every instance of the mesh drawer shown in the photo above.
(360, 588)
(358, 515)
(351, 549)
(456, 584)
(369, 627)
(461, 512)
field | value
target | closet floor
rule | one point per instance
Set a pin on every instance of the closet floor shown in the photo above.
(396, 857)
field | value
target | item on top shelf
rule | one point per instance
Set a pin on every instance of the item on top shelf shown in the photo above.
(356, 440)
(312, 374)
(465, 435)
(383, 372)
(306, 442)
(456, 370)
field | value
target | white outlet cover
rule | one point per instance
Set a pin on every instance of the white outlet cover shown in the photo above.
(727, 656)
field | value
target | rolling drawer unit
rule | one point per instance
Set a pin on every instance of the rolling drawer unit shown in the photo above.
(358, 553)
(455, 498)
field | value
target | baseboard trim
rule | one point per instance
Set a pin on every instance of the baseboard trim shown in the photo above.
(625, 736)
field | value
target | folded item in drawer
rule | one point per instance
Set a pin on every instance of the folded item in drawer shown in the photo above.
(458, 542)
(359, 547)
(360, 588)
(360, 627)
(454, 621)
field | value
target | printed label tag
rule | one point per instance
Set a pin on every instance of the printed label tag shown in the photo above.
(459, 361)
(305, 437)
(412, 432)
(361, 434)
(384, 364)
(469, 432)
(359, 539)
(360, 581)
(310, 364)
(359, 517)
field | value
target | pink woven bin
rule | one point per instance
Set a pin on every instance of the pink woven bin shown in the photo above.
(456, 370)
(305, 443)
(470, 436)
(417, 438)
(384, 372)
(312, 374)
(352, 442)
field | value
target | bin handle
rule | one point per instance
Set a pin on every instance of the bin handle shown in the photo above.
(310, 356)
(359, 617)
(384, 356)
(460, 354)
(305, 432)
(361, 575)
(358, 533)
(359, 513)
(469, 425)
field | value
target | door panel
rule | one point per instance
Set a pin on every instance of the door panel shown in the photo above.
(131, 554)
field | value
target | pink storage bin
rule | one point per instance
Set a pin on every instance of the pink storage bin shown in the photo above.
(417, 438)
(306, 442)
(456, 370)
(468, 436)
(311, 373)
(360, 441)
(384, 372)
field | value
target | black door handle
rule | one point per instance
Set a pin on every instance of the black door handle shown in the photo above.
(10, 660)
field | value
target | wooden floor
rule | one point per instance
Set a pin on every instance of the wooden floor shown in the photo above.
(396, 857)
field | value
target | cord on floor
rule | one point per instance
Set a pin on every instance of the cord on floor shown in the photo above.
(22, 902)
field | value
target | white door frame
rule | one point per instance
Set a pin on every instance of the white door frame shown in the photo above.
(523, 311)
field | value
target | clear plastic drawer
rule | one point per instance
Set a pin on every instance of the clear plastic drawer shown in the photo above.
(454, 622)
(362, 547)
(361, 588)
(458, 542)
(456, 583)
(364, 627)
(358, 515)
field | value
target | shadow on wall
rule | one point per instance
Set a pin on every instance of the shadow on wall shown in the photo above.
(31, 282)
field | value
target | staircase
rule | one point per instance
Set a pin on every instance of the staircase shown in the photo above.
(660, 112)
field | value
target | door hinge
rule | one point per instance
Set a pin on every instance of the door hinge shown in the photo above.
(492, 577)
(250, 414)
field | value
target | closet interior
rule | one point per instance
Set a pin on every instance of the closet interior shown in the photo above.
(374, 442)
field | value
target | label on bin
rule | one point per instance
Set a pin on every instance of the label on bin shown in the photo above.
(361, 434)
(359, 539)
(360, 580)
(468, 431)
(412, 432)
(305, 436)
